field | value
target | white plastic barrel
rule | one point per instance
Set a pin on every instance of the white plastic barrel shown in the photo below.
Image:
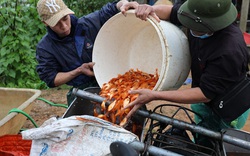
(125, 43)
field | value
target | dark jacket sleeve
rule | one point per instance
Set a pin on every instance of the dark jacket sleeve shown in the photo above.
(47, 67)
(173, 16)
(105, 13)
(94, 21)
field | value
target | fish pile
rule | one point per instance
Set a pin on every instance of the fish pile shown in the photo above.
(116, 92)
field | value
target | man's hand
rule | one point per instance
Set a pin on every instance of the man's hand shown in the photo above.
(64, 77)
(144, 10)
(141, 11)
(145, 96)
(87, 68)
(124, 6)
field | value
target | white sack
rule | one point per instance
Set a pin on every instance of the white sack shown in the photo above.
(76, 135)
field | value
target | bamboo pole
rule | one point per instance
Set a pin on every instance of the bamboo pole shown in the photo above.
(244, 15)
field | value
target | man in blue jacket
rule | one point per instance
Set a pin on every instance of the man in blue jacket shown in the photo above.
(64, 54)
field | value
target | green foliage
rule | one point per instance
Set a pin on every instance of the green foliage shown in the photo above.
(20, 31)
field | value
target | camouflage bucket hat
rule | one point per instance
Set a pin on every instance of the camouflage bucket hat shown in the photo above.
(207, 15)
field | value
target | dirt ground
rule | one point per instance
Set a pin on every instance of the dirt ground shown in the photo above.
(42, 111)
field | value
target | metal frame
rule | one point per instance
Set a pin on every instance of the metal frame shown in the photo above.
(142, 147)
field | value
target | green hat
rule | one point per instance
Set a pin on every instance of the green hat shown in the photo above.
(207, 15)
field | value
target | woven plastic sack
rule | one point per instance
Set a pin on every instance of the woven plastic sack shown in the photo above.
(14, 145)
(76, 135)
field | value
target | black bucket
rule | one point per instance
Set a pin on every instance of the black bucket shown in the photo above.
(81, 106)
